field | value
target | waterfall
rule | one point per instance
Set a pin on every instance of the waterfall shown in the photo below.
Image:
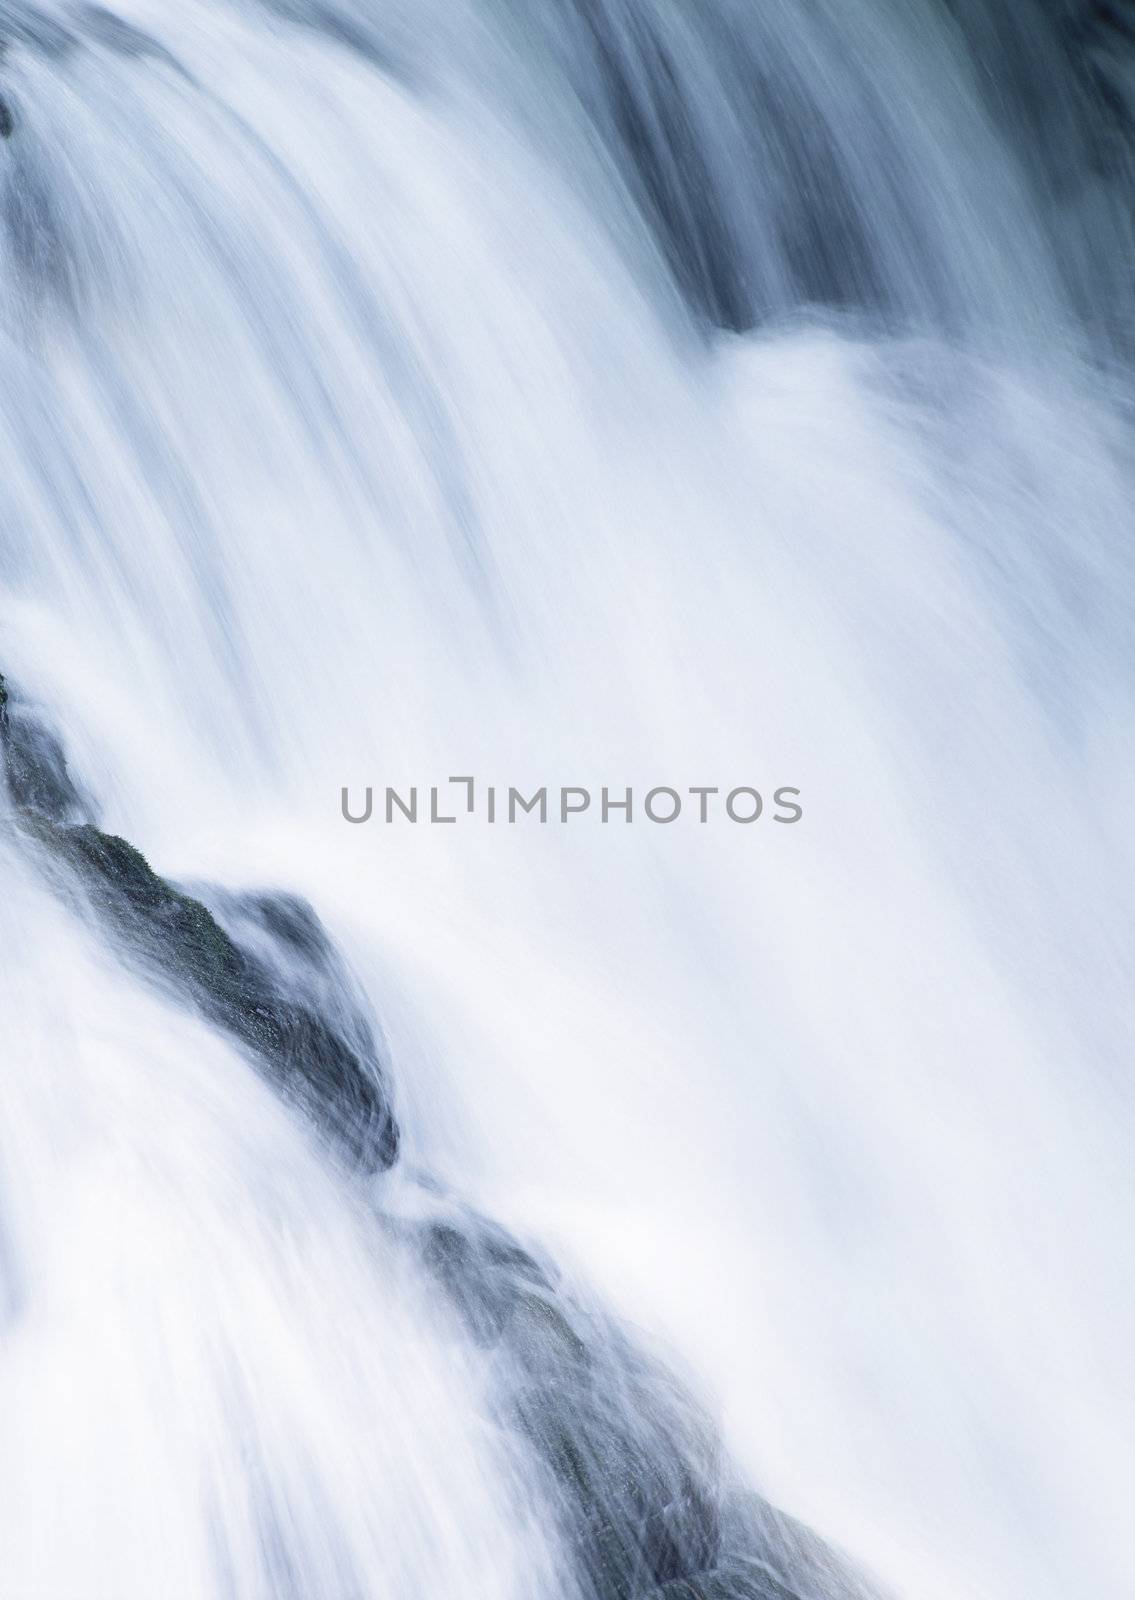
(526, 408)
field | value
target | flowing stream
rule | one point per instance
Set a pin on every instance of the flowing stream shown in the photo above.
(566, 394)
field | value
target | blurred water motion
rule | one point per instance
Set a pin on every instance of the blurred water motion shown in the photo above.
(569, 392)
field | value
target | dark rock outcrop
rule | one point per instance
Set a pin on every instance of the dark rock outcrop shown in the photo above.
(626, 1457)
(270, 979)
(648, 1504)
(645, 1500)
(35, 766)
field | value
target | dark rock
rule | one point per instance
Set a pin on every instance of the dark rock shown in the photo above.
(178, 938)
(749, 1580)
(287, 1000)
(632, 1461)
(35, 765)
(761, 1544)
(486, 1274)
(292, 922)
(646, 1501)
(753, 1578)
(7, 120)
(628, 1459)
(634, 1471)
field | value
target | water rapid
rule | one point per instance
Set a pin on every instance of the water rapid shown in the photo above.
(566, 394)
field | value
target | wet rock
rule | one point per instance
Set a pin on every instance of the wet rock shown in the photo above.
(756, 1578)
(626, 1456)
(634, 1472)
(632, 1464)
(337, 1079)
(646, 1501)
(750, 1580)
(35, 765)
(292, 923)
(487, 1276)
(295, 1015)
(762, 1546)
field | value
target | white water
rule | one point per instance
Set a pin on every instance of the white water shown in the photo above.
(356, 436)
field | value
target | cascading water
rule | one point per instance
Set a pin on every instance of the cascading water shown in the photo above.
(565, 393)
